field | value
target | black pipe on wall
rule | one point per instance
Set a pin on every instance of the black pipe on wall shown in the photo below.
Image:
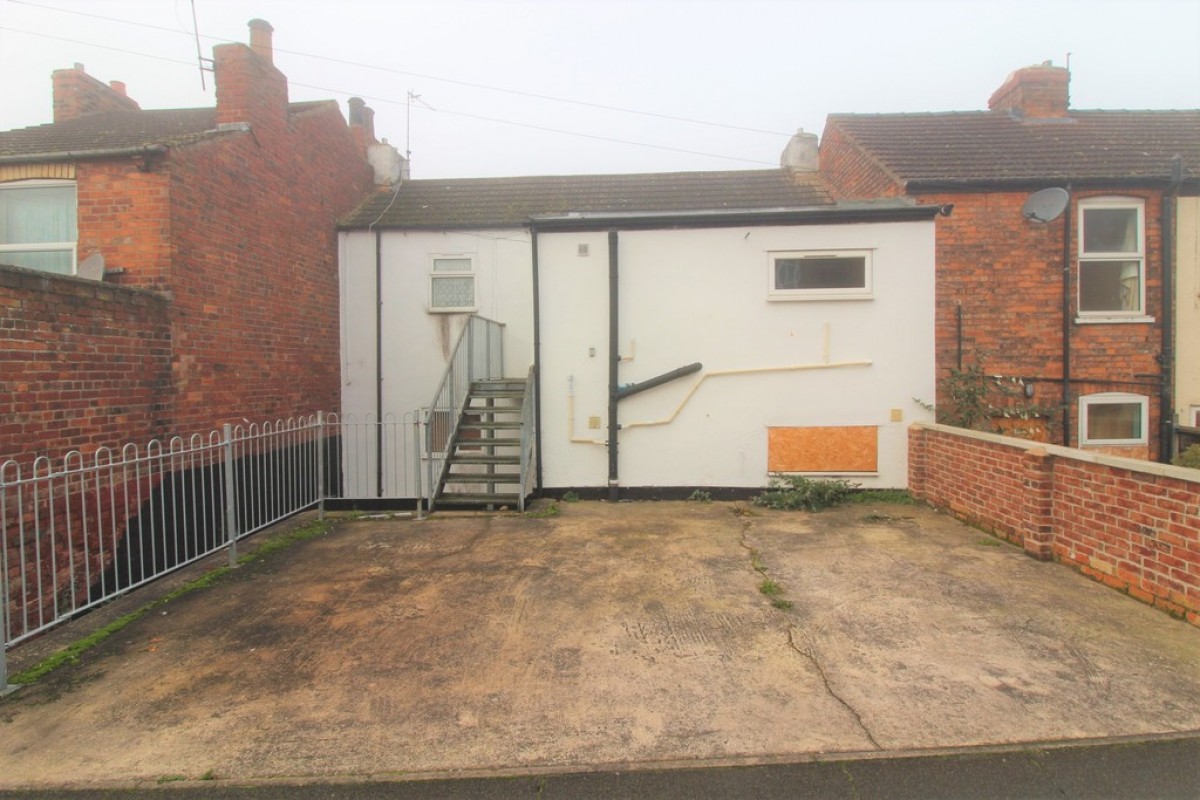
(614, 359)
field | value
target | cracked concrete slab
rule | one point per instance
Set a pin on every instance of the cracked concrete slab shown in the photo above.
(612, 634)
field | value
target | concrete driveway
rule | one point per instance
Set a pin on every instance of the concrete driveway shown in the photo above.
(609, 635)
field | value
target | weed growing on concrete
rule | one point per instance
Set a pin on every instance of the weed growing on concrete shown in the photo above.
(209, 776)
(741, 511)
(171, 778)
(570, 497)
(700, 496)
(988, 541)
(898, 497)
(770, 588)
(797, 493)
(781, 604)
(551, 510)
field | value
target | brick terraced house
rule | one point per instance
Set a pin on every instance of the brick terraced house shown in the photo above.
(170, 270)
(1079, 314)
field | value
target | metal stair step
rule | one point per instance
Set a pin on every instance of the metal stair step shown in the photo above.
(491, 425)
(484, 458)
(483, 477)
(488, 441)
(480, 499)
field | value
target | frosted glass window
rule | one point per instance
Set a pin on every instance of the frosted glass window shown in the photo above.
(1113, 418)
(452, 284)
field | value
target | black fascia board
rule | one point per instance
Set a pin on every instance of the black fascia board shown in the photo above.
(725, 219)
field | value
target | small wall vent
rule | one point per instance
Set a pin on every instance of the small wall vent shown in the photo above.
(583, 251)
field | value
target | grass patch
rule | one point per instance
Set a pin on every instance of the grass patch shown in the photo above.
(171, 778)
(570, 497)
(71, 654)
(700, 496)
(770, 588)
(988, 541)
(781, 604)
(899, 497)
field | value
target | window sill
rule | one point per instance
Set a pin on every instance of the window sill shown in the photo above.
(1101, 320)
(813, 298)
(473, 310)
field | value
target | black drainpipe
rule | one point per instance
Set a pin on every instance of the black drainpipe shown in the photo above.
(1166, 410)
(537, 364)
(379, 363)
(1066, 322)
(614, 358)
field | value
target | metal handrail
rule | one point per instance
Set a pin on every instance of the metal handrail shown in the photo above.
(528, 435)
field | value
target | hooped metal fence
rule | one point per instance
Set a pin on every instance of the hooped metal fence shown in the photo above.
(81, 530)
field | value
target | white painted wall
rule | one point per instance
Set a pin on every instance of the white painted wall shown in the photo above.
(1187, 309)
(416, 341)
(701, 295)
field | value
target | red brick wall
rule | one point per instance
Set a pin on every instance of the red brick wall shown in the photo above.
(124, 215)
(850, 172)
(1006, 274)
(83, 364)
(254, 269)
(1133, 526)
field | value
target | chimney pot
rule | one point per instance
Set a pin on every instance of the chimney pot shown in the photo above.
(801, 153)
(260, 40)
(118, 87)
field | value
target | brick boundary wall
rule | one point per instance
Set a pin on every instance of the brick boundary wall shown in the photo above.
(1130, 524)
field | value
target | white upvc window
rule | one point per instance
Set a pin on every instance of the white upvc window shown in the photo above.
(38, 225)
(820, 275)
(1193, 417)
(452, 284)
(1112, 257)
(1113, 418)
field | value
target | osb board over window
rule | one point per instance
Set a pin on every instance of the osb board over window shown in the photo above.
(848, 448)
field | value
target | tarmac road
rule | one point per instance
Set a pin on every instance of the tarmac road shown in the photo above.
(1163, 768)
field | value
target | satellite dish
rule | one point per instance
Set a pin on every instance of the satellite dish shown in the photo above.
(1046, 205)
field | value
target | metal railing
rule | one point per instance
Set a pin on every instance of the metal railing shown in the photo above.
(80, 531)
(372, 458)
(528, 436)
(478, 355)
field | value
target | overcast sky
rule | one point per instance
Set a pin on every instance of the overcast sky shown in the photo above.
(770, 66)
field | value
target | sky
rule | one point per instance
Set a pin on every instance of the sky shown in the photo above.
(539, 87)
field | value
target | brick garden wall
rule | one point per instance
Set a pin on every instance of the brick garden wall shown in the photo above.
(83, 364)
(1131, 525)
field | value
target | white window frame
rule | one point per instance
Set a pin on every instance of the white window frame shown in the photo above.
(435, 275)
(1113, 398)
(46, 247)
(866, 292)
(1132, 315)
(1193, 417)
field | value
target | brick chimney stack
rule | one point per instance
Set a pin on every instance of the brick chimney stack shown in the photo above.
(362, 124)
(261, 40)
(1036, 92)
(77, 94)
(249, 87)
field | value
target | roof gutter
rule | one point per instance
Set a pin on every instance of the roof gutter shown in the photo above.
(1033, 184)
(86, 155)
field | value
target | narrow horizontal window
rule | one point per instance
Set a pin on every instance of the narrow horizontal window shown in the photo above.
(820, 275)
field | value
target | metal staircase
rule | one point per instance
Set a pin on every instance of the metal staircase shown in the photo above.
(483, 466)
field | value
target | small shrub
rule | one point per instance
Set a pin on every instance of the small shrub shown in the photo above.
(1188, 458)
(700, 496)
(570, 497)
(794, 492)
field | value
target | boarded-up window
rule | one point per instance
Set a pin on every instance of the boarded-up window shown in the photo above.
(850, 448)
